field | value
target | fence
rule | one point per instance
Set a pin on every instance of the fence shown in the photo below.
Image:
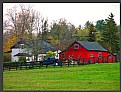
(81, 61)
(94, 60)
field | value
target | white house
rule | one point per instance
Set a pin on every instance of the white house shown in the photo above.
(20, 48)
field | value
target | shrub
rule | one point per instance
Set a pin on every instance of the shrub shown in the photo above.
(7, 57)
(6, 63)
(22, 59)
(50, 54)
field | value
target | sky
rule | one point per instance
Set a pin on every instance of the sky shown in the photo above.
(75, 13)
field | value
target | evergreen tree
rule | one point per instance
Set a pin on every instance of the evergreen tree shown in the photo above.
(109, 35)
(87, 24)
(92, 33)
(100, 25)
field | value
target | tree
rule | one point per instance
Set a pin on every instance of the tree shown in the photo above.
(92, 31)
(109, 35)
(100, 25)
(21, 22)
(9, 43)
(61, 31)
(27, 24)
(87, 24)
(42, 28)
(118, 33)
(84, 34)
(7, 57)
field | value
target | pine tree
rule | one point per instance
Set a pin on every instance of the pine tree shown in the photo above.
(100, 25)
(109, 35)
(92, 33)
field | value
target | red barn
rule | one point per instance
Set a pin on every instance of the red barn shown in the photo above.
(87, 52)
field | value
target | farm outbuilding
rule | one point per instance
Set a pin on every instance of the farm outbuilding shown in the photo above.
(87, 52)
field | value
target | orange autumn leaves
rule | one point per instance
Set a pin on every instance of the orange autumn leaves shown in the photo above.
(9, 43)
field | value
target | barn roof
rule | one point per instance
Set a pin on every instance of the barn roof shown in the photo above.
(91, 46)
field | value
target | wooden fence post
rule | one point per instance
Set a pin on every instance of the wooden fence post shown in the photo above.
(107, 59)
(83, 60)
(9, 67)
(46, 65)
(16, 65)
(97, 59)
(112, 58)
(68, 62)
(94, 60)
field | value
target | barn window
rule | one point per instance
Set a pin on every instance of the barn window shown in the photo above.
(22, 46)
(91, 55)
(76, 46)
(109, 55)
(63, 56)
(99, 54)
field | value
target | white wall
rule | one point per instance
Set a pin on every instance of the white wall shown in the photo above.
(41, 56)
(19, 50)
(16, 51)
(57, 55)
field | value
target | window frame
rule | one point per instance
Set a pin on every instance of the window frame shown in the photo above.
(99, 54)
(63, 56)
(76, 46)
(109, 55)
(91, 55)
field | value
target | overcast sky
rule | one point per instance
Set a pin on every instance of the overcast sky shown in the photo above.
(75, 13)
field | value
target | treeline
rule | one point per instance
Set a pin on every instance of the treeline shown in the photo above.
(28, 24)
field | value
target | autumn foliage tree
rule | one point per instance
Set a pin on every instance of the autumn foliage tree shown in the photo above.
(19, 25)
(9, 43)
(22, 21)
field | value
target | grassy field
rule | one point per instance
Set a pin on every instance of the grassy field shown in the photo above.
(87, 77)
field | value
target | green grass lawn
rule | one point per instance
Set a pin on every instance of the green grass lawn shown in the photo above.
(103, 76)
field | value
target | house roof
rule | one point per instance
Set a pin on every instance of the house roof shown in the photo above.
(17, 45)
(30, 42)
(22, 54)
(91, 46)
(45, 46)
